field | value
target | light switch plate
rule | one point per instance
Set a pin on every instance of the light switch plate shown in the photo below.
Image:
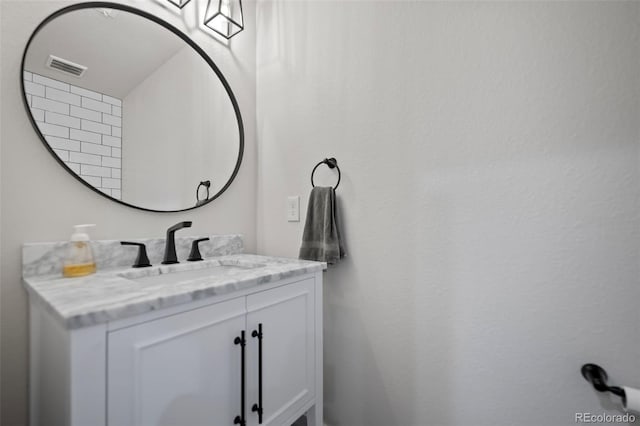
(293, 208)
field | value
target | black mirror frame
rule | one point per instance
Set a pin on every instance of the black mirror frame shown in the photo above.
(174, 30)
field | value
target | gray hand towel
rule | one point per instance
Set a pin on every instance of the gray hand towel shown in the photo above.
(321, 236)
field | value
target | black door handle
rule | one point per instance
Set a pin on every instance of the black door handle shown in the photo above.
(258, 407)
(240, 340)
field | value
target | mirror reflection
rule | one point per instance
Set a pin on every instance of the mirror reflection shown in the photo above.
(131, 109)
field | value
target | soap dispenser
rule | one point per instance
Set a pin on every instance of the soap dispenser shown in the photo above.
(79, 259)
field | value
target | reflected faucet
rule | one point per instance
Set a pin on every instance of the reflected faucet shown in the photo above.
(170, 244)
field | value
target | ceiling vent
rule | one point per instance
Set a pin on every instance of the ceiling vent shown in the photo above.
(66, 66)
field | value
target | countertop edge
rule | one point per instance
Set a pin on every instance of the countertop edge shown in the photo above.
(91, 317)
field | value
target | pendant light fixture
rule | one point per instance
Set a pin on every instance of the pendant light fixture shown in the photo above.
(179, 3)
(224, 17)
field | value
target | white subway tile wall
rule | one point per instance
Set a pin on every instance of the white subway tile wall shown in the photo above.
(83, 127)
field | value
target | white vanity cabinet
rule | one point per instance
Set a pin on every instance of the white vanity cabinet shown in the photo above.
(181, 369)
(187, 365)
(285, 317)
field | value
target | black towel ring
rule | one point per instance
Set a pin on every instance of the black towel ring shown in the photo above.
(206, 184)
(332, 163)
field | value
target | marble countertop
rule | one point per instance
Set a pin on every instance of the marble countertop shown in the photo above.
(117, 293)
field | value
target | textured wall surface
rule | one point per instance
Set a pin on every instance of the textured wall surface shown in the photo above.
(40, 201)
(490, 194)
(83, 127)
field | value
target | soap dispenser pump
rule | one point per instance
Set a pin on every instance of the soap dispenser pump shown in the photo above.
(79, 260)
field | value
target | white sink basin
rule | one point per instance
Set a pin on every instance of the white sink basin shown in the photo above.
(177, 273)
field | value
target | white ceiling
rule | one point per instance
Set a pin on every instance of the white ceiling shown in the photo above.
(119, 52)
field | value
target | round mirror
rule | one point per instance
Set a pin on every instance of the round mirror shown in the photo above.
(132, 107)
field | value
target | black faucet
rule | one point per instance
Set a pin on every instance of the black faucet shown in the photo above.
(170, 244)
(142, 260)
(195, 255)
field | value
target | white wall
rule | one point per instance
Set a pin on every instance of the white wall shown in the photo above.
(199, 129)
(40, 201)
(490, 195)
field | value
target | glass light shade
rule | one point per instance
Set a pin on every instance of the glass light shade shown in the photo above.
(224, 17)
(179, 3)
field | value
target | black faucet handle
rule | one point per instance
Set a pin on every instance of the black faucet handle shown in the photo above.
(195, 250)
(142, 260)
(180, 225)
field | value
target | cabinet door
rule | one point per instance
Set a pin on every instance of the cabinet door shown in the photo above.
(288, 351)
(179, 370)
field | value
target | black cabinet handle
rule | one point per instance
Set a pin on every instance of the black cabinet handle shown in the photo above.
(258, 407)
(142, 260)
(240, 340)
